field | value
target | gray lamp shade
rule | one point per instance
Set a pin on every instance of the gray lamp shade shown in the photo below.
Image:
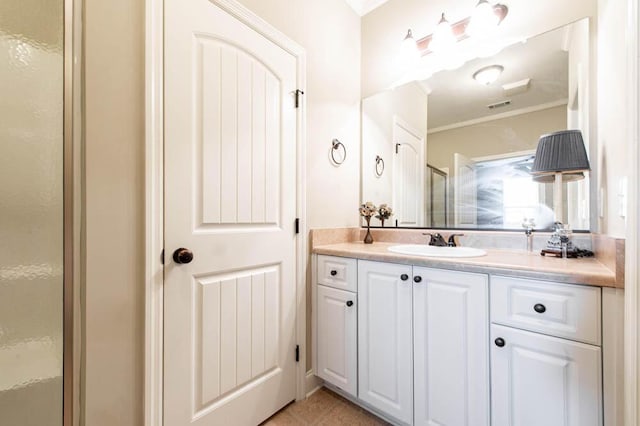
(560, 152)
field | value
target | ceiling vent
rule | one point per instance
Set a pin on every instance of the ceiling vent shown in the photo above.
(499, 104)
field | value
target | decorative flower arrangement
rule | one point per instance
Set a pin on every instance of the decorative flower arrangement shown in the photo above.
(384, 213)
(367, 211)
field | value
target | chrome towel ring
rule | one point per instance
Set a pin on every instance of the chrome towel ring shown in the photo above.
(335, 146)
(379, 166)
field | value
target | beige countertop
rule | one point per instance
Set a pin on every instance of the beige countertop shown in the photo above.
(515, 263)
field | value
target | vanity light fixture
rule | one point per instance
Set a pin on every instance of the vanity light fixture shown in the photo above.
(483, 20)
(409, 53)
(446, 34)
(488, 75)
(443, 37)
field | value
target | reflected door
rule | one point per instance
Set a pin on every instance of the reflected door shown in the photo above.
(408, 182)
(230, 198)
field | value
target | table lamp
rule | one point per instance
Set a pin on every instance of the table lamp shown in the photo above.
(560, 156)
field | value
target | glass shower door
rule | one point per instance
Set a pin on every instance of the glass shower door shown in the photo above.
(31, 212)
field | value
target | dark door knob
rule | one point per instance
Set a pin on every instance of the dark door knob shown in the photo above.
(349, 303)
(333, 272)
(417, 278)
(404, 277)
(182, 255)
(499, 342)
(539, 308)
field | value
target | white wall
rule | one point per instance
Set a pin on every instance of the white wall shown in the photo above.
(114, 213)
(409, 103)
(612, 162)
(506, 135)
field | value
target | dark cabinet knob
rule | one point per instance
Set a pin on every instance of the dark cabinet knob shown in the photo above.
(540, 308)
(417, 278)
(182, 256)
(333, 272)
(349, 303)
(499, 342)
(404, 277)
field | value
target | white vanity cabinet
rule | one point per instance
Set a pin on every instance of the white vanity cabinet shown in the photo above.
(538, 376)
(451, 348)
(337, 322)
(385, 348)
(423, 343)
(427, 346)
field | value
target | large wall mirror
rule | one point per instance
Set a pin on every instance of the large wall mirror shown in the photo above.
(458, 151)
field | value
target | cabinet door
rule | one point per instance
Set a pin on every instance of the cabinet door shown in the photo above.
(385, 358)
(337, 338)
(451, 348)
(542, 380)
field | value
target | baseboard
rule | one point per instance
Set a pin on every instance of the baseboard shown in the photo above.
(312, 383)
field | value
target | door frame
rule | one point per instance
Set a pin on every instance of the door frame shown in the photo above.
(632, 244)
(154, 197)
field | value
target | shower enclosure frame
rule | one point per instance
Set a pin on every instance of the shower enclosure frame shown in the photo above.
(72, 210)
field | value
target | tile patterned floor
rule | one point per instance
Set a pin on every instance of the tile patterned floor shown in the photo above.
(324, 408)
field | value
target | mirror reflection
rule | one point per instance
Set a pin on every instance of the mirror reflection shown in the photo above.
(459, 146)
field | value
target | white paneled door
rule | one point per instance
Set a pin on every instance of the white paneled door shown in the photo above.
(230, 199)
(408, 174)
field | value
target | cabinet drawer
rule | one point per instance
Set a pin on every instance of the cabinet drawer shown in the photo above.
(338, 272)
(563, 310)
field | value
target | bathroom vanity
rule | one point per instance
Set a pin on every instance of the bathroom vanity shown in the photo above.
(511, 338)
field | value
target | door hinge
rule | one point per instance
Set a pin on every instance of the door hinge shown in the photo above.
(297, 353)
(397, 147)
(297, 94)
(162, 257)
(297, 223)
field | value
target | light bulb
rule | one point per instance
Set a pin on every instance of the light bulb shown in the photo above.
(483, 20)
(443, 38)
(488, 75)
(409, 53)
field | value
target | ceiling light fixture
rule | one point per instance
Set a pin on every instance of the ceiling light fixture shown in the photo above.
(488, 75)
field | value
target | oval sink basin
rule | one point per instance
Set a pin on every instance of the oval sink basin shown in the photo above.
(434, 251)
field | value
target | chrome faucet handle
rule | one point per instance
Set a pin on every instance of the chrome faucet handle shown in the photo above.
(452, 240)
(436, 239)
(430, 237)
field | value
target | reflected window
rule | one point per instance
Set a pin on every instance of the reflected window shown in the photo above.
(507, 194)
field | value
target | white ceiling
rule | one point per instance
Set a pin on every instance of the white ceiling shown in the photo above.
(456, 97)
(362, 7)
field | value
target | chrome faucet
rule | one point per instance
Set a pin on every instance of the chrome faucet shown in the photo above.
(438, 240)
(452, 240)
